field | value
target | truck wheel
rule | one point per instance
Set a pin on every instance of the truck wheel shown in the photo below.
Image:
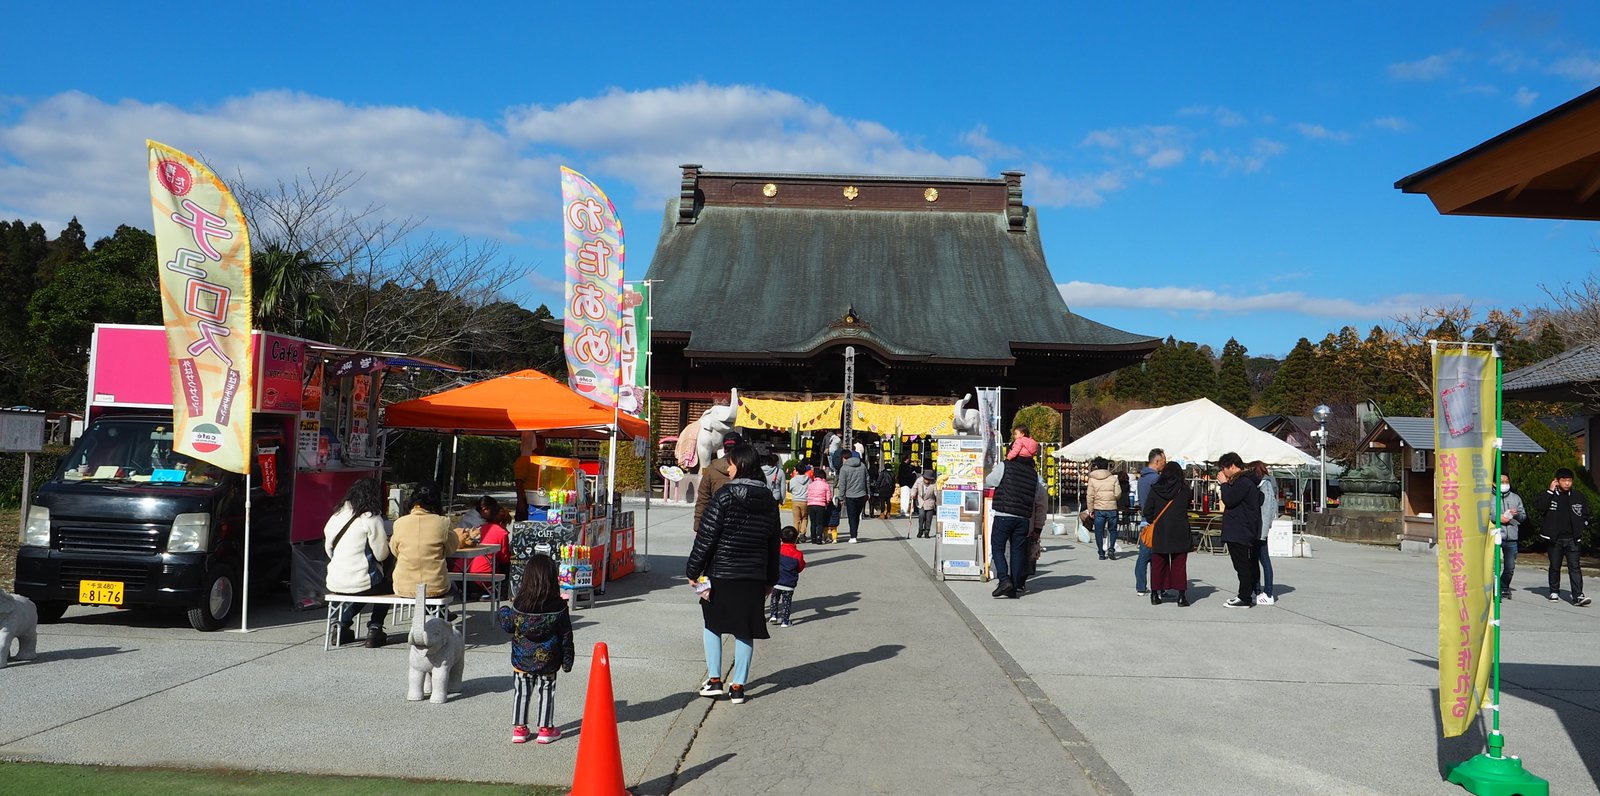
(216, 603)
(50, 611)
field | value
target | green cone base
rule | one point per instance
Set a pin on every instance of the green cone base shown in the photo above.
(1497, 776)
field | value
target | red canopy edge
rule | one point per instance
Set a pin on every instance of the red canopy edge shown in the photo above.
(509, 405)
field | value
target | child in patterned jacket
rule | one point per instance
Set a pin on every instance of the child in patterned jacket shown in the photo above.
(541, 644)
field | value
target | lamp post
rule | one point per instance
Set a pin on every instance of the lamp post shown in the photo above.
(1321, 415)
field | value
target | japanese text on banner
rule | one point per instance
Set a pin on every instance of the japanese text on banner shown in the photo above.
(204, 252)
(593, 333)
(1466, 425)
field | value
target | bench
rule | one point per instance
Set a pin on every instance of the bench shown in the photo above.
(494, 579)
(330, 637)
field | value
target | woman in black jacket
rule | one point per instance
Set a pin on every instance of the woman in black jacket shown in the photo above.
(1171, 540)
(736, 549)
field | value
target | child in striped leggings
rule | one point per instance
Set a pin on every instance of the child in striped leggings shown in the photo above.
(541, 644)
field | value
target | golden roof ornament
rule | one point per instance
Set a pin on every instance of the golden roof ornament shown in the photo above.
(769, 190)
(851, 192)
(932, 194)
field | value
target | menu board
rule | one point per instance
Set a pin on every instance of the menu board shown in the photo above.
(958, 465)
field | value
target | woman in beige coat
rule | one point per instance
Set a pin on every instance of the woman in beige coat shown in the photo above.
(1103, 491)
(421, 540)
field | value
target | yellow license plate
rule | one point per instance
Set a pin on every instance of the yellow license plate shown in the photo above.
(100, 592)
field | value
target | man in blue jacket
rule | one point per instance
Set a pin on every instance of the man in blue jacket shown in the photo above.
(1241, 524)
(1147, 481)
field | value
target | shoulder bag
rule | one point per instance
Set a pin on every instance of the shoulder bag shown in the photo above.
(1147, 532)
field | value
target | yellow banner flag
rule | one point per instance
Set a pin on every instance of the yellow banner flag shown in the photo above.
(204, 252)
(1466, 427)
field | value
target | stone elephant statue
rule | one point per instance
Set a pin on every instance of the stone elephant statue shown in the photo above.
(437, 655)
(19, 619)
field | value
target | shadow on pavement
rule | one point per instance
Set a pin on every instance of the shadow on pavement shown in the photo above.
(495, 684)
(70, 655)
(823, 607)
(1533, 682)
(642, 711)
(1040, 583)
(677, 779)
(812, 562)
(816, 672)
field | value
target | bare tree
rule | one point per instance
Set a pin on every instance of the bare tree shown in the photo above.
(384, 283)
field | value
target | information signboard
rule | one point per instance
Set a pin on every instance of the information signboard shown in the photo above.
(958, 547)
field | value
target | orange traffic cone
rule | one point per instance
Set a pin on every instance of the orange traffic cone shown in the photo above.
(599, 768)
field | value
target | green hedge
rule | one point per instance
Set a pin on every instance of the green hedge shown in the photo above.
(482, 462)
(44, 466)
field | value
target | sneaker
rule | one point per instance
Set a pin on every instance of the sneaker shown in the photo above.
(1505, 594)
(772, 620)
(1580, 600)
(1265, 599)
(1102, 556)
(375, 638)
(547, 735)
(1142, 592)
(853, 540)
(1235, 602)
(1555, 597)
(1111, 555)
(711, 687)
(520, 734)
(785, 624)
(736, 694)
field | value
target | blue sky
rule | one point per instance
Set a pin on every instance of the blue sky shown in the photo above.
(1196, 172)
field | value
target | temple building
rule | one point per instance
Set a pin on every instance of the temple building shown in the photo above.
(761, 281)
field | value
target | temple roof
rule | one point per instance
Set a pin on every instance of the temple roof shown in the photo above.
(916, 269)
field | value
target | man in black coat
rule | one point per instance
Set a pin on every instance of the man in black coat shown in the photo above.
(1566, 517)
(1241, 524)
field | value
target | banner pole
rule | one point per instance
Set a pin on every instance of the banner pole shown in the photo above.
(643, 561)
(1492, 773)
(244, 596)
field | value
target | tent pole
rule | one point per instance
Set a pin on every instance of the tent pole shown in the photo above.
(455, 454)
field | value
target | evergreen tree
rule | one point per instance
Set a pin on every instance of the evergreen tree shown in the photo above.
(22, 249)
(1293, 387)
(1233, 380)
(114, 283)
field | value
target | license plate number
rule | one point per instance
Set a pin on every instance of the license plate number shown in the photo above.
(100, 592)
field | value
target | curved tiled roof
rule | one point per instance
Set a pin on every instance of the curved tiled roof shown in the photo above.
(926, 285)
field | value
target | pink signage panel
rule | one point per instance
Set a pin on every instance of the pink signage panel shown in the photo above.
(279, 361)
(131, 367)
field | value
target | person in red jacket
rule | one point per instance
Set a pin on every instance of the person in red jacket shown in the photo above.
(791, 562)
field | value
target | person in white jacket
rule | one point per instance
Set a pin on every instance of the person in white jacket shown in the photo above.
(356, 539)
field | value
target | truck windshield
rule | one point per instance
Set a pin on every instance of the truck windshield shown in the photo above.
(133, 451)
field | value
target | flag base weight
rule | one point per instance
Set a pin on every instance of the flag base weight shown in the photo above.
(1497, 776)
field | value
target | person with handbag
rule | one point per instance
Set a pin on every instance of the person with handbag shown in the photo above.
(356, 540)
(1166, 532)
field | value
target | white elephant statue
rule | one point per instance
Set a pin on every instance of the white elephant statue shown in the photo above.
(19, 619)
(437, 655)
(966, 420)
(715, 422)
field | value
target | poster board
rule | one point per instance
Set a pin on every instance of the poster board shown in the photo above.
(1280, 539)
(21, 431)
(958, 543)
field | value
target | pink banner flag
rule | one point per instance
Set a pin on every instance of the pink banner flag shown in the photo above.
(593, 334)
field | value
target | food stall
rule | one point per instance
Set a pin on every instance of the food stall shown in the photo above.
(559, 514)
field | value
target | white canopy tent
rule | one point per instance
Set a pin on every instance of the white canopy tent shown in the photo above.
(1197, 431)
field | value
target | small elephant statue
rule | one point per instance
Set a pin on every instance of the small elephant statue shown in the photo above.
(19, 619)
(437, 655)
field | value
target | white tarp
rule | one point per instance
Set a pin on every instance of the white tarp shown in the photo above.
(1197, 431)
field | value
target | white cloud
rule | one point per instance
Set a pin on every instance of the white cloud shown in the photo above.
(977, 139)
(73, 154)
(1199, 300)
(1151, 146)
(1081, 190)
(1224, 117)
(1249, 161)
(1581, 67)
(641, 136)
(1432, 67)
(1317, 131)
(1393, 124)
(1525, 96)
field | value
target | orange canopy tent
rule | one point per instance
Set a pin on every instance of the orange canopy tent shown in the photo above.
(509, 405)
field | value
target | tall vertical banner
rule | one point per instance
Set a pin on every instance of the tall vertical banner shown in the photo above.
(1465, 429)
(989, 425)
(204, 252)
(593, 333)
(635, 347)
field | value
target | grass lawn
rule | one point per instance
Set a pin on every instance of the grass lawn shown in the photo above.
(42, 779)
